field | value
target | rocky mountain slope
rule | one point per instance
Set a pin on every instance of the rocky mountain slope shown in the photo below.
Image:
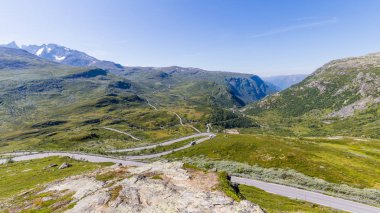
(20, 65)
(341, 89)
(41, 99)
(228, 88)
(338, 88)
(64, 55)
(48, 105)
(156, 187)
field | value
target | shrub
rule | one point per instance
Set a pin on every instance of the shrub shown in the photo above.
(290, 178)
(229, 188)
(228, 119)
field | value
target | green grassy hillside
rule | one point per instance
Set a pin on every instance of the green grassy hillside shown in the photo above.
(23, 176)
(48, 106)
(223, 88)
(343, 160)
(272, 203)
(338, 166)
(340, 98)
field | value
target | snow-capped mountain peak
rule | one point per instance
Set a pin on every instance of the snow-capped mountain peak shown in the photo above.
(64, 55)
(61, 54)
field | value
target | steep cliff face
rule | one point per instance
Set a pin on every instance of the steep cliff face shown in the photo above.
(249, 89)
(234, 88)
(156, 187)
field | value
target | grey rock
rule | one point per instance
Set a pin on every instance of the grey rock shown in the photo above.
(213, 170)
(179, 191)
(64, 165)
(52, 165)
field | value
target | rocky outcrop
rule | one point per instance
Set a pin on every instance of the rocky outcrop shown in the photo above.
(363, 62)
(156, 187)
(359, 105)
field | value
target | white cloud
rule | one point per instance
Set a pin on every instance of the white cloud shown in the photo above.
(295, 27)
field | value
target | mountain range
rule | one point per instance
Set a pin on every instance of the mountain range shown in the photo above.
(46, 100)
(64, 55)
(284, 81)
(245, 88)
(345, 89)
(240, 88)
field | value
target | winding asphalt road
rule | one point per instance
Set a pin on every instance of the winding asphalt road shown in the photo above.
(291, 192)
(197, 130)
(121, 132)
(286, 191)
(140, 157)
(313, 197)
(181, 122)
(180, 119)
(78, 156)
(167, 143)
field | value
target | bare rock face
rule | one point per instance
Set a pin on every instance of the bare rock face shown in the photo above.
(349, 110)
(80, 186)
(157, 187)
(362, 62)
(172, 190)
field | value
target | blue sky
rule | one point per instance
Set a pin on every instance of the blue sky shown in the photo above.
(267, 37)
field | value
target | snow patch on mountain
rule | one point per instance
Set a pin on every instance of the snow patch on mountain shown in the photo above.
(58, 58)
(40, 51)
(64, 55)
